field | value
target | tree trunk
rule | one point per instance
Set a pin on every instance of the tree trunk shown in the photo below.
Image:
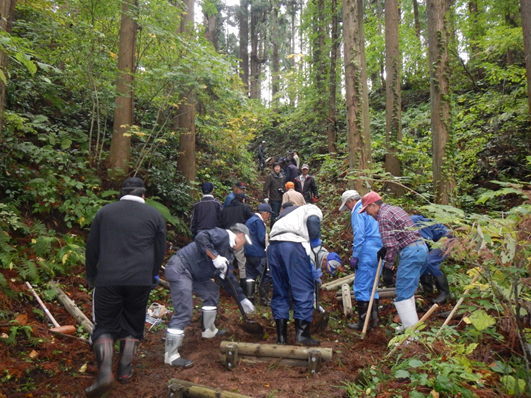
(526, 27)
(417, 18)
(275, 350)
(356, 91)
(441, 122)
(244, 42)
(258, 40)
(318, 60)
(212, 23)
(332, 85)
(7, 11)
(275, 76)
(119, 156)
(186, 113)
(393, 103)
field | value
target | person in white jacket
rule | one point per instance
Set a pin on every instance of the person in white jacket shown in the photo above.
(293, 240)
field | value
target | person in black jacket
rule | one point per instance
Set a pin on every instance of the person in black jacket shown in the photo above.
(274, 189)
(305, 184)
(191, 270)
(124, 252)
(290, 171)
(237, 212)
(207, 212)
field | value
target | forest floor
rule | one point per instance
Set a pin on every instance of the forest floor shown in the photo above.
(41, 364)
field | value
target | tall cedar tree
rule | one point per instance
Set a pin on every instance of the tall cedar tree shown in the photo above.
(356, 91)
(186, 113)
(526, 26)
(120, 151)
(441, 122)
(393, 103)
(7, 10)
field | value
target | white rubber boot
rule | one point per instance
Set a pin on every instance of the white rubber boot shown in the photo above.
(209, 317)
(174, 339)
(408, 313)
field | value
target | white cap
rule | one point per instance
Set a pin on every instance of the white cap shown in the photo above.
(350, 194)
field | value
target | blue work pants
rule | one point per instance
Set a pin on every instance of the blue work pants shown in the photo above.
(366, 272)
(413, 260)
(291, 271)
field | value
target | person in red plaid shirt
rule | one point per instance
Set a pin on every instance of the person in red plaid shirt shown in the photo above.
(399, 237)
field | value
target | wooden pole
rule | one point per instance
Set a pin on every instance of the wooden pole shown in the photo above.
(371, 301)
(253, 360)
(454, 310)
(415, 326)
(71, 307)
(336, 284)
(277, 351)
(192, 390)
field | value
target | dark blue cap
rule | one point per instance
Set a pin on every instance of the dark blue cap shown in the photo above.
(207, 187)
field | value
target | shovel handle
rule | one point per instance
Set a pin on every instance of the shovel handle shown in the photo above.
(235, 295)
(371, 301)
(48, 313)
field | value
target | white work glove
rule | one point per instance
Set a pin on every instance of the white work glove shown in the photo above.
(221, 263)
(248, 307)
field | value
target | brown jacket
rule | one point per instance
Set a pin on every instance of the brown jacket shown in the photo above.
(294, 197)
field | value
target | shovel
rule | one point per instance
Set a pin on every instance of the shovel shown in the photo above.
(368, 314)
(68, 329)
(320, 317)
(248, 325)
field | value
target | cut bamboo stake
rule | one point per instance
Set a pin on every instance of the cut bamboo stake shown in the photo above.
(415, 326)
(454, 310)
(71, 307)
(67, 329)
(334, 285)
(383, 293)
(347, 300)
(371, 301)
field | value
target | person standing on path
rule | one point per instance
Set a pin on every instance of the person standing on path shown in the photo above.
(434, 232)
(124, 252)
(364, 262)
(293, 196)
(273, 190)
(306, 185)
(399, 238)
(239, 188)
(293, 239)
(237, 212)
(290, 171)
(255, 254)
(261, 156)
(191, 270)
(207, 212)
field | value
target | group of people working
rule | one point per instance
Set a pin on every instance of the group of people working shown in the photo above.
(126, 246)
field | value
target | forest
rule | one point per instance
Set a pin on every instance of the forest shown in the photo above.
(425, 101)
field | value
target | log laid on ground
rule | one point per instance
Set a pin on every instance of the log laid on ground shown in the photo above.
(276, 351)
(253, 360)
(336, 284)
(71, 307)
(186, 389)
(383, 293)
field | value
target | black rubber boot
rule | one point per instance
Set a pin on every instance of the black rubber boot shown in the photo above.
(243, 284)
(361, 308)
(375, 318)
(128, 347)
(250, 287)
(302, 333)
(426, 281)
(444, 289)
(388, 277)
(263, 291)
(103, 349)
(282, 331)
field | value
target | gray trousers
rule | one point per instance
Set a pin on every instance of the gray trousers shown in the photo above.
(240, 259)
(181, 287)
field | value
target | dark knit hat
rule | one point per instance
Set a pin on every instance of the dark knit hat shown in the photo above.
(133, 182)
(207, 187)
